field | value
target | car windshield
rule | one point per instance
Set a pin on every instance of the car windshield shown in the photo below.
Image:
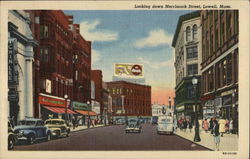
(132, 121)
(164, 121)
(54, 122)
(23, 122)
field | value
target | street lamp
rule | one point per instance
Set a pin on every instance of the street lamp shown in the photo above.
(197, 135)
(169, 100)
(66, 107)
(88, 103)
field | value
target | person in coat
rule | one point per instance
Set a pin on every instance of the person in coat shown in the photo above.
(205, 125)
(184, 125)
(211, 126)
(222, 127)
(216, 135)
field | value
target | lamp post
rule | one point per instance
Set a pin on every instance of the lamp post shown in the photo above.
(66, 107)
(197, 135)
(169, 100)
(88, 103)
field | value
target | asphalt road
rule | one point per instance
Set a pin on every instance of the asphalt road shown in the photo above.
(115, 138)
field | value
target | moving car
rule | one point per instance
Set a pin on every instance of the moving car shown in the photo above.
(58, 127)
(133, 125)
(31, 130)
(165, 125)
(12, 139)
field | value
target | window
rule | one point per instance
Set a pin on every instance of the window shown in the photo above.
(229, 26)
(188, 34)
(211, 79)
(236, 21)
(44, 31)
(222, 34)
(190, 92)
(229, 69)
(192, 52)
(39, 123)
(44, 52)
(195, 32)
(192, 69)
(216, 39)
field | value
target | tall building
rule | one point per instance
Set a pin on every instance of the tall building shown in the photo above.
(130, 99)
(53, 67)
(97, 100)
(220, 61)
(20, 64)
(187, 44)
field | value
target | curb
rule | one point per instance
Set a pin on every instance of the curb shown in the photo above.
(88, 128)
(193, 142)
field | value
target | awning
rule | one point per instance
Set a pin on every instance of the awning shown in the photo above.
(83, 112)
(59, 110)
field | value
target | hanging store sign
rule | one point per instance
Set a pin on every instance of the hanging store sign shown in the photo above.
(48, 86)
(12, 61)
(51, 101)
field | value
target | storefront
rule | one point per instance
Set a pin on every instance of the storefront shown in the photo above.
(84, 112)
(54, 107)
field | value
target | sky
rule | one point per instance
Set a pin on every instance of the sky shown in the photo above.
(130, 36)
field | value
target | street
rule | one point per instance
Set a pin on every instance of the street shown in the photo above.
(114, 138)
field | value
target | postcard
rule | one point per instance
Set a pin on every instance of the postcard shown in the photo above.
(124, 79)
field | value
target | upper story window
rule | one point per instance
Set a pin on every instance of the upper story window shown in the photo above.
(195, 32)
(192, 52)
(44, 31)
(188, 33)
(44, 54)
(192, 69)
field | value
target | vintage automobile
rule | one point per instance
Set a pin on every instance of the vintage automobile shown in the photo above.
(58, 127)
(165, 125)
(133, 125)
(31, 130)
(12, 139)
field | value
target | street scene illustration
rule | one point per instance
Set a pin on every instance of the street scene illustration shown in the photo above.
(123, 80)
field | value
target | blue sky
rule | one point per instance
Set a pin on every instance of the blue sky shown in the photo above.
(142, 37)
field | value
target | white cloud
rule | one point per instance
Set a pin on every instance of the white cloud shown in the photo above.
(95, 56)
(157, 65)
(155, 38)
(89, 31)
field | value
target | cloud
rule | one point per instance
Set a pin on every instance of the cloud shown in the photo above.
(90, 32)
(157, 65)
(155, 38)
(95, 56)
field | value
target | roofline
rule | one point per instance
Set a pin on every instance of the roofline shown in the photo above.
(122, 81)
(182, 18)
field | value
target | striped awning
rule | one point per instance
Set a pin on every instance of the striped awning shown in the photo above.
(83, 112)
(59, 110)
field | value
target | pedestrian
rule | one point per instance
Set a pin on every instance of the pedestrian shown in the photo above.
(211, 125)
(205, 125)
(73, 122)
(231, 126)
(184, 125)
(93, 123)
(216, 134)
(222, 124)
(190, 125)
(227, 126)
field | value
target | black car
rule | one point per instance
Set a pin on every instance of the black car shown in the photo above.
(12, 139)
(133, 125)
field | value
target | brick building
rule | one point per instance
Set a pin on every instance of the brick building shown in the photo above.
(96, 77)
(220, 60)
(129, 99)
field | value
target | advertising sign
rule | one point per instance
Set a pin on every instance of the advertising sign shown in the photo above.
(80, 106)
(51, 101)
(12, 73)
(48, 86)
(129, 70)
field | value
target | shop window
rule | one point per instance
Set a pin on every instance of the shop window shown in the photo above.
(192, 69)
(192, 52)
(188, 33)
(195, 32)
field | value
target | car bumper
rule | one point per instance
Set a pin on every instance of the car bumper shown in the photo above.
(164, 132)
(133, 130)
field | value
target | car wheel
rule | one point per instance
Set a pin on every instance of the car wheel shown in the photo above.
(31, 139)
(49, 137)
(10, 143)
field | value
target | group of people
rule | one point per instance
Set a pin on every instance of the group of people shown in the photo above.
(184, 124)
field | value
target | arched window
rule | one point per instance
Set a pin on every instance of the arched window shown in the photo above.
(195, 32)
(188, 33)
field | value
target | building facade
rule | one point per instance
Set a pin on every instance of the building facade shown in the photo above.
(21, 43)
(220, 61)
(130, 99)
(187, 44)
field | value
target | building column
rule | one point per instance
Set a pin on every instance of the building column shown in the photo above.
(28, 82)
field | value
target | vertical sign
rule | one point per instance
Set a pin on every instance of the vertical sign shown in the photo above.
(11, 51)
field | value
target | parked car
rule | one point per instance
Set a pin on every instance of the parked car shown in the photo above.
(165, 125)
(12, 139)
(31, 130)
(133, 125)
(120, 121)
(58, 127)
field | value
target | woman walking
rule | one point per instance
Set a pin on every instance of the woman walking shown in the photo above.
(216, 134)
(205, 125)
(222, 128)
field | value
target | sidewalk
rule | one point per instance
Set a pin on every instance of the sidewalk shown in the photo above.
(229, 142)
(79, 128)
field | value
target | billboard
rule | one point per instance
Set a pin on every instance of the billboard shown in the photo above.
(129, 70)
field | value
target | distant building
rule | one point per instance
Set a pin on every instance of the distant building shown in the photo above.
(131, 80)
(220, 63)
(187, 44)
(21, 43)
(130, 99)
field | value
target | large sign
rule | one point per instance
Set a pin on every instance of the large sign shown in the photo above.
(80, 106)
(51, 101)
(129, 70)
(12, 61)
